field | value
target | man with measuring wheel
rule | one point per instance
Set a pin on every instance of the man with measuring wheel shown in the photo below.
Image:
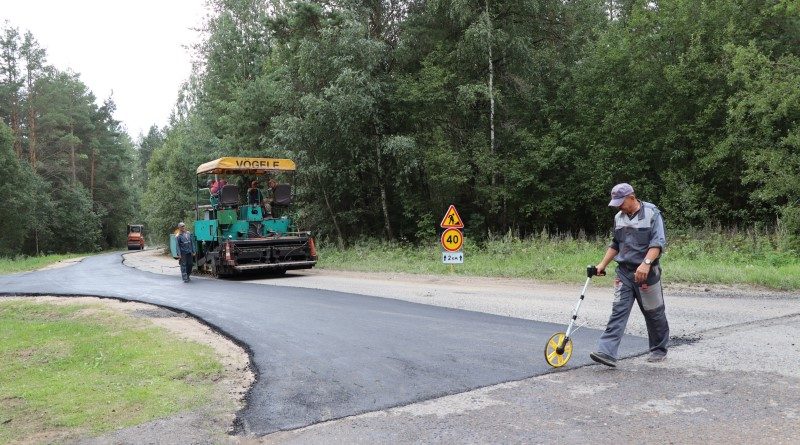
(637, 244)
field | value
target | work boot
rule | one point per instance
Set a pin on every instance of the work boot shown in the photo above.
(656, 357)
(604, 359)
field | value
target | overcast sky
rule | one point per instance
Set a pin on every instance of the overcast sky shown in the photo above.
(135, 49)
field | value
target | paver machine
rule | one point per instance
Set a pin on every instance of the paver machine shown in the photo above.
(237, 230)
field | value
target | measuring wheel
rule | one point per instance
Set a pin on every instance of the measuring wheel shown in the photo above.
(551, 351)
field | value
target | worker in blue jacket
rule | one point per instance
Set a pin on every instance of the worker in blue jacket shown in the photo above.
(185, 251)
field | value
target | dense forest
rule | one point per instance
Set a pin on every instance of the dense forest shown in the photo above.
(523, 113)
(67, 171)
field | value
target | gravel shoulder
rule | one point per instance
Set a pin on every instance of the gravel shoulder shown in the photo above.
(733, 376)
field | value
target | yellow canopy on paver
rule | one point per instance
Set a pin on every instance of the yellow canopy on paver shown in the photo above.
(247, 166)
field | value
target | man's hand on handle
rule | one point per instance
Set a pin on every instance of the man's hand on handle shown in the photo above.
(610, 254)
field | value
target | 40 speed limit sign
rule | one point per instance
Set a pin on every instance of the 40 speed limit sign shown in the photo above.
(452, 240)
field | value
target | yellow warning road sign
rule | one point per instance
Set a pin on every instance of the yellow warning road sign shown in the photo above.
(452, 240)
(452, 220)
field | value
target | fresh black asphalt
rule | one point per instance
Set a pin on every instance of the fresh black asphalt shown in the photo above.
(321, 355)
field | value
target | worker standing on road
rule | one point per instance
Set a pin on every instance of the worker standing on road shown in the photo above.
(185, 250)
(638, 241)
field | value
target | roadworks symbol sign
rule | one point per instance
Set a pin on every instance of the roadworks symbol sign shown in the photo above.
(452, 220)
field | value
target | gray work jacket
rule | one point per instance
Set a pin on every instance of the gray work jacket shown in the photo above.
(635, 235)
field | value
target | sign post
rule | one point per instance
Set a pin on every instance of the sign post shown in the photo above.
(452, 239)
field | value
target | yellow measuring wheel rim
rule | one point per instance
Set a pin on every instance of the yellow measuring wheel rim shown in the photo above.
(551, 354)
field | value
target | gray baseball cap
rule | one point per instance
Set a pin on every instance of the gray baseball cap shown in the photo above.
(619, 193)
(181, 224)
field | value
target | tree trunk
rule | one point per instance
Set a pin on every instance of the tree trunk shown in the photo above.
(72, 157)
(15, 124)
(32, 138)
(91, 178)
(31, 124)
(384, 204)
(333, 215)
(491, 96)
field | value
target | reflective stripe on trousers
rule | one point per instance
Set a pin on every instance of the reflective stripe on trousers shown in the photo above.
(651, 303)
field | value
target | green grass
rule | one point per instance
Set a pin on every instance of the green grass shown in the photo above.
(72, 370)
(699, 258)
(26, 263)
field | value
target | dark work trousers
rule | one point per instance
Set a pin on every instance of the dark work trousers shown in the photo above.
(186, 265)
(651, 302)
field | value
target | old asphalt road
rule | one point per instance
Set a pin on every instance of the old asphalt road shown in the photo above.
(322, 355)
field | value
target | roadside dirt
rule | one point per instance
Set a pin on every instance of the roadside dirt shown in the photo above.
(63, 263)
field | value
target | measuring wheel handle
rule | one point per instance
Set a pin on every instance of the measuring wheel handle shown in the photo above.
(591, 271)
